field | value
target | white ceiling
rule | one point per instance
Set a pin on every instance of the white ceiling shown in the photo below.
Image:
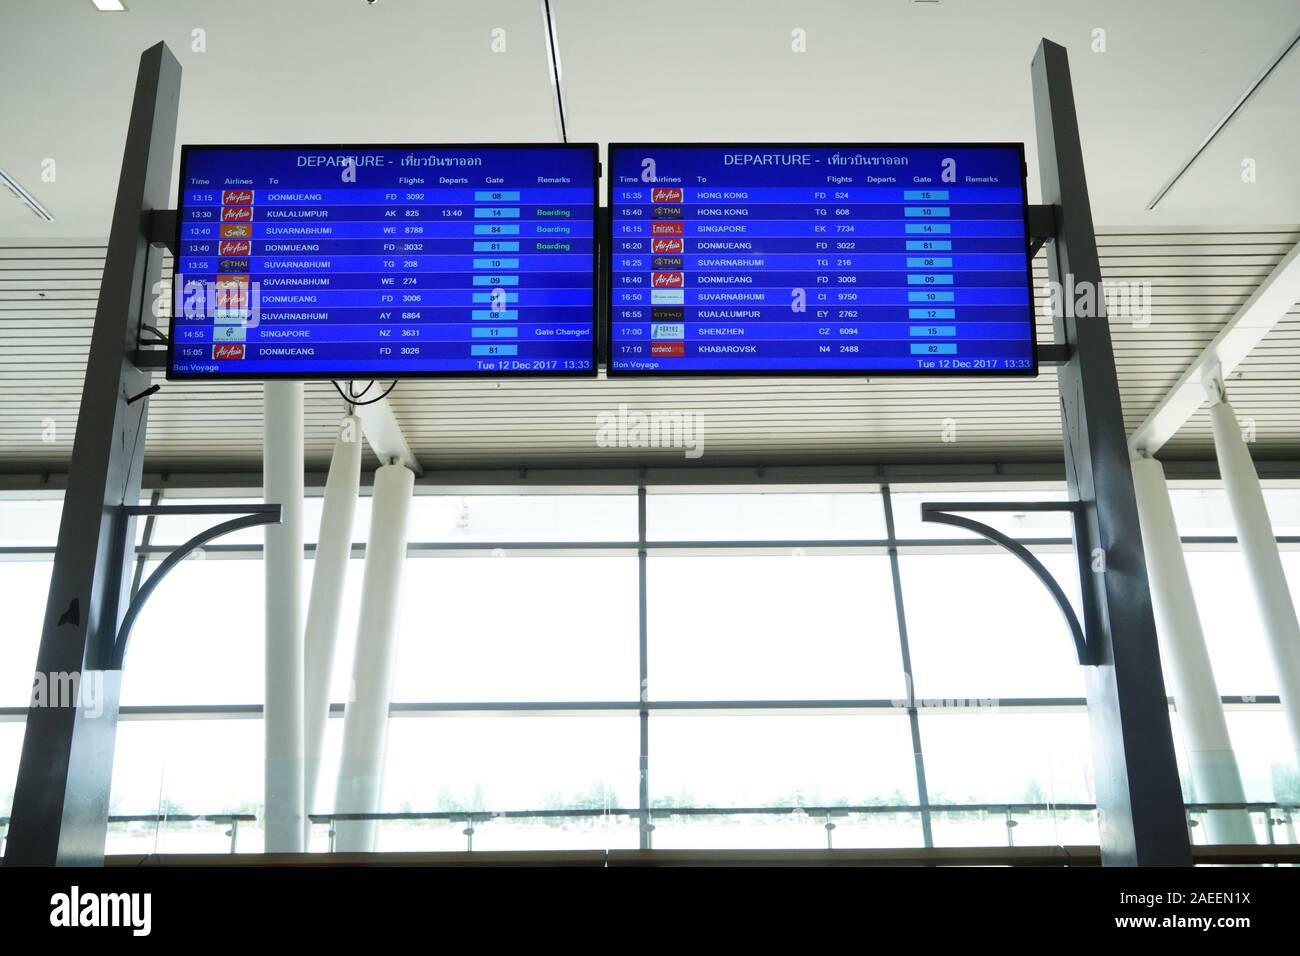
(423, 71)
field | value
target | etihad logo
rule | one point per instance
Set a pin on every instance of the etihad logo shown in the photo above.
(234, 247)
(666, 194)
(237, 214)
(228, 351)
(667, 228)
(666, 245)
(236, 197)
(235, 230)
(666, 280)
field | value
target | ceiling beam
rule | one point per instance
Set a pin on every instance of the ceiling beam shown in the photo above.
(385, 435)
(1274, 298)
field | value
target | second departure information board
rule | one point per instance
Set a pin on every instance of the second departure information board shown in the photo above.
(817, 259)
(364, 262)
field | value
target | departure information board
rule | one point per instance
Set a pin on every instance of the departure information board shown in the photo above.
(815, 259)
(363, 262)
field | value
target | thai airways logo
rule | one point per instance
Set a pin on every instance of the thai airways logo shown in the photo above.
(666, 245)
(236, 197)
(666, 212)
(667, 228)
(666, 280)
(237, 214)
(228, 351)
(666, 262)
(234, 247)
(235, 230)
(232, 265)
(665, 194)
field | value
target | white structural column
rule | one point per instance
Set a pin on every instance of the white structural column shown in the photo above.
(1263, 560)
(282, 463)
(329, 575)
(1215, 777)
(365, 721)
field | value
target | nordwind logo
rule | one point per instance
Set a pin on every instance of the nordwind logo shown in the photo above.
(74, 908)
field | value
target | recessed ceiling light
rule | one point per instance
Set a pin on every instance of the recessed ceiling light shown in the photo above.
(24, 196)
(109, 6)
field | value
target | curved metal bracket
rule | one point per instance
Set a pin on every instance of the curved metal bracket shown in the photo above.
(939, 512)
(250, 516)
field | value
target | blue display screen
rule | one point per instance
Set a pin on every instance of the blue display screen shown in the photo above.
(803, 259)
(385, 262)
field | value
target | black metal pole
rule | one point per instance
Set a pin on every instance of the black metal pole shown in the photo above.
(1139, 799)
(60, 806)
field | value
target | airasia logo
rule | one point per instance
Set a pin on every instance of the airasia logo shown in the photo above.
(666, 245)
(666, 280)
(236, 197)
(237, 214)
(228, 351)
(236, 231)
(667, 228)
(236, 248)
(665, 194)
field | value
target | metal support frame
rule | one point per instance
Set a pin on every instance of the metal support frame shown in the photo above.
(1139, 795)
(60, 805)
(1083, 635)
(248, 516)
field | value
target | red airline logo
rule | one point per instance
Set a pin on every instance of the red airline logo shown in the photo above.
(232, 282)
(665, 194)
(236, 248)
(237, 231)
(666, 245)
(236, 197)
(228, 351)
(667, 228)
(670, 349)
(666, 280)
(237, 214)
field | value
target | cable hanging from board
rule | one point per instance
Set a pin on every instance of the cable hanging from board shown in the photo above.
(353, 398)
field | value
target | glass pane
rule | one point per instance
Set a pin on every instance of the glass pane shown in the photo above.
(1233, 632)
(772, 627)
(491, 764)
(784, 763)
(1032, 760)
(602, 517)
(199, 639)
(982, 626)
(11, 748)
(518, 628)
(24, 589)
(30, 522)
(775, 516)
(186, 767)
(1023, 524)
(1205, 511)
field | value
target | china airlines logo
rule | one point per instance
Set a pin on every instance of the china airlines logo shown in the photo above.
(237, 214)
(666, 245)
(665, 194)
(228, 351)
(235, 248)
(666, 280)
(236, 197)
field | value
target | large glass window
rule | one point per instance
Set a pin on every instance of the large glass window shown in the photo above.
(767, 693)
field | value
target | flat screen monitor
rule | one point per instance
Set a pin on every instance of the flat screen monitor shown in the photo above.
(802, 259)
(370, 262)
